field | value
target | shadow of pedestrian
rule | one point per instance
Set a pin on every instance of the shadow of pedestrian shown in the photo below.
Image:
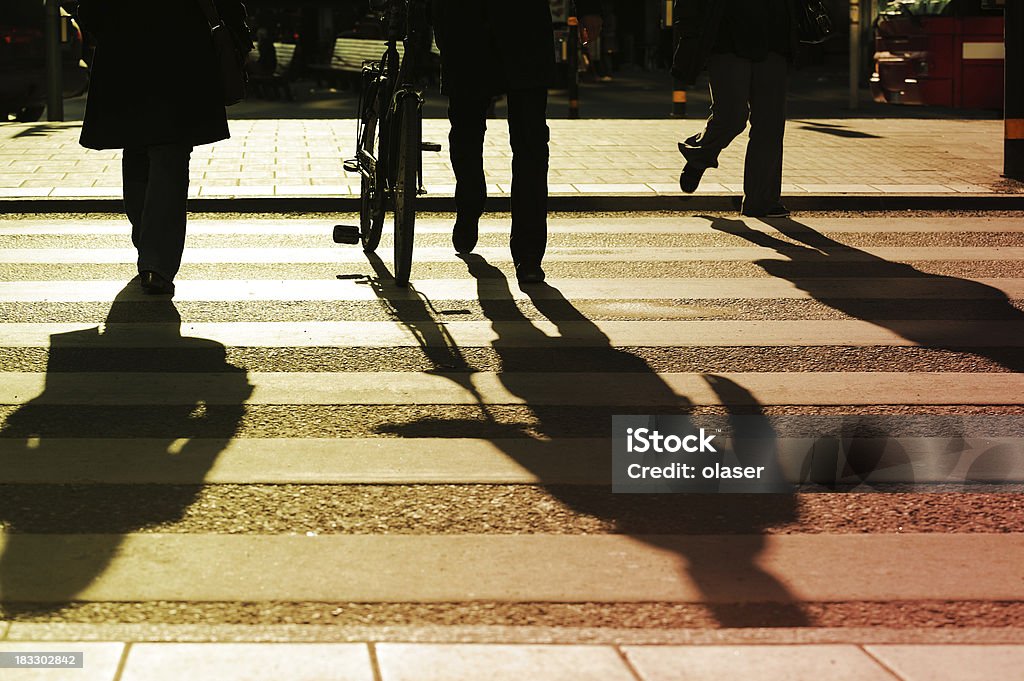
(734, 589)
(836, 130)
(45, 129)
(861, 267)
(99, 431)
(936, 312)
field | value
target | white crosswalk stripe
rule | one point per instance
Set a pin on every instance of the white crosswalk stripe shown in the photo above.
(937, 288)
(423, 460)
(540, 334)
(609, 568)
(527, 388)
(492, 254)
(564, 225)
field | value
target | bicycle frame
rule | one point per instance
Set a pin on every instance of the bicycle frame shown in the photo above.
(390, 85)
(389, 138)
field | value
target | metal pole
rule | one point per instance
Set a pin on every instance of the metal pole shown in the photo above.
(54, 72)
(572, 65)
(678, 86)
(1013, 141)
(854, 99)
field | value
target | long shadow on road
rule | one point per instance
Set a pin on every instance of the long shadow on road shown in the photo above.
(951, 309)
(864, 269)
(724, 570)
(50, 553)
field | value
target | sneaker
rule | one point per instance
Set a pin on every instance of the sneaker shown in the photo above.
(689, 179)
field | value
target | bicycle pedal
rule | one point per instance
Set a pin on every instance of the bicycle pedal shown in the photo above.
(430, 146)
(346, 234)
(351, 165)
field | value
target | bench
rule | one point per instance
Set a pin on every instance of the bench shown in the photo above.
(269, 87)
(348, 56)
(350, 53)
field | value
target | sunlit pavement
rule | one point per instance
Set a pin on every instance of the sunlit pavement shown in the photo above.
(283, 161)
(295, 469)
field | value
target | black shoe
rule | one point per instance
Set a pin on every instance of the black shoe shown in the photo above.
(689, 179)
(776, 211)
(529, 274)
(155, 284)
(464, 235)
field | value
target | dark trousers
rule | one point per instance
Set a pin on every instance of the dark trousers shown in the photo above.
(529, 135)
(742, 89)
(155, 197)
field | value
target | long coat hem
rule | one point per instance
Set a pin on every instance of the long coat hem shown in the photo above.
(155, 78)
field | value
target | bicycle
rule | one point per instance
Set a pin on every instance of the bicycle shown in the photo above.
(389, 141)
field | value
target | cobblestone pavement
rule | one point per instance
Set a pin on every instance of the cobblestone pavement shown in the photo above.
(303, 158)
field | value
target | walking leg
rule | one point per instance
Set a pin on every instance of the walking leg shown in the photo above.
(729, 82)
(529, 135)
(762, 171)
(134, 179)
(468, 117)
(163, 238)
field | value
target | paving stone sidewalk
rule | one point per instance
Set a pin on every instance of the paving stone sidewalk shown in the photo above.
(114, 661)
(303, 158)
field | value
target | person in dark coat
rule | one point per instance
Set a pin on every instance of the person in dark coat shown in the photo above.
(746, 46)
(489, 48)
(155, 93)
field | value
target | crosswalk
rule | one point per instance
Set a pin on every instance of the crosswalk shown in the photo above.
(293, 433)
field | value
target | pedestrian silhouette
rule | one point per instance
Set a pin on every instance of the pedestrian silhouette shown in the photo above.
(61, 537)
(154, 92)
(490, 48)
(746, 46)
(592, 15)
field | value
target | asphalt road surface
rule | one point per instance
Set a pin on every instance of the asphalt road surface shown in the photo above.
(294, 443)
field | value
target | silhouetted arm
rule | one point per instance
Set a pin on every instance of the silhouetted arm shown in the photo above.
(233, 14)
(436, 17)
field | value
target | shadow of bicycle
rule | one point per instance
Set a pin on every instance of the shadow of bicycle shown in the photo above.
(544, 409)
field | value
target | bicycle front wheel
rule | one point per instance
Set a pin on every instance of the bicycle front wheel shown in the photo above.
(406, 186)
(371, 215)
(371, 188)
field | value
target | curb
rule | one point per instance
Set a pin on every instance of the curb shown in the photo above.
(557, 203)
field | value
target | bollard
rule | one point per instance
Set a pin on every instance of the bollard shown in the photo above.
(1013, 83)
(678, 87)
(573, 67)
(54, 72)
(678, 100)
(854, 85)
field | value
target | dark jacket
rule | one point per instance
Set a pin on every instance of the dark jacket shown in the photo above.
(154, 77)
(493, 46)
(699, 24)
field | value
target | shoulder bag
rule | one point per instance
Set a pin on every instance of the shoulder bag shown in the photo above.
(813, 23)
(230, 59)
